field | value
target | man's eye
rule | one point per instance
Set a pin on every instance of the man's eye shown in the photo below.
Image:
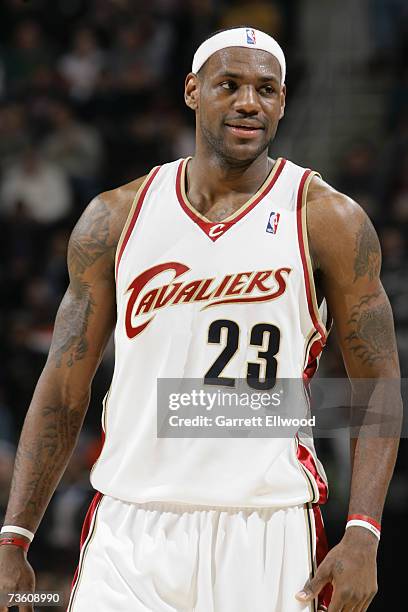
(229, 85)
(268, 90)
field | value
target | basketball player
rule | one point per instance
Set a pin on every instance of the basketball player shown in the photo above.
(206, 256)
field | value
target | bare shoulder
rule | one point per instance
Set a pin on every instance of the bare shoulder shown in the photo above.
(95, 237)
(117, 204)
(341, 235)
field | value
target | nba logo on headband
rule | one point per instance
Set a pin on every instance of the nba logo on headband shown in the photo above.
(250, 34)
(239, 37)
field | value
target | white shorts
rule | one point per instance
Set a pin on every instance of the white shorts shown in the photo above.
(157, 557)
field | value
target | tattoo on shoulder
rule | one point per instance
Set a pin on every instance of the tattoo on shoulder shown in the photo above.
(94, 238)
(72, 324)
(90, 240)
(367, 252)
(371, 337)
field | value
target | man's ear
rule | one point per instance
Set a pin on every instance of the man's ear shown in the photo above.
(282, 101)
(191, 90)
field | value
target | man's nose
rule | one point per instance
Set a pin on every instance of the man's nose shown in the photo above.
(247, 101)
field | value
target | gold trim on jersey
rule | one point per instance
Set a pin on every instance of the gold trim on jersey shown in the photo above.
(242, 208)
(104, 408)
(130, 217)
(103, 419)
(307, 250)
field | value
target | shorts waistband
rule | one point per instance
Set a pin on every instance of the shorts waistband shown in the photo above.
(177, 507)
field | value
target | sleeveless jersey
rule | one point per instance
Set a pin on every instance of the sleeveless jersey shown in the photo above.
(179, 279)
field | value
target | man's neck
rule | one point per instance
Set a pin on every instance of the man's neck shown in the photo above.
(211, 180)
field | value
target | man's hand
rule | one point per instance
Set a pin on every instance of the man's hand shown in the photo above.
(16, 575)
(352, 570)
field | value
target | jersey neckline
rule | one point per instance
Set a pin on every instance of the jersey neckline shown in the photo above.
(216, 229)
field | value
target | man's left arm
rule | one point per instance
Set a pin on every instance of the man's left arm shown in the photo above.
(345, 249)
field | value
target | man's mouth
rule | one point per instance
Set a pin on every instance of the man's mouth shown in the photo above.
(244, 130)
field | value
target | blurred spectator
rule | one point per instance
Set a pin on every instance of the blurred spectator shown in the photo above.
(142, 142)
(260, 14)
(179, 134)
(14, 136)
(82, 66)
(398, 103)
(194, 20)
(7, 426)
(400, 200)
(38, 186)
(28, 54)
(55, 270)
(2, 78)
(74, 492)
(7, 452)
(389, 22)
(23, 365)
(139, 56)
(76, 148)
(393, 247)
(39, 301)
(357, 175)
(393, 160)
(395, 271)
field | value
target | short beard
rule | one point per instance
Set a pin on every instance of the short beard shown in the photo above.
(217, 145)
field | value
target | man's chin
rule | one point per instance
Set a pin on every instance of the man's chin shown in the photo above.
(243, 153)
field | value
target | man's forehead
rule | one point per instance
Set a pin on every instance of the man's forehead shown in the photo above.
(241, 60)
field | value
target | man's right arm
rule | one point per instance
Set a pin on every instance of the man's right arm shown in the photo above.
(82, 328)
(83, 325)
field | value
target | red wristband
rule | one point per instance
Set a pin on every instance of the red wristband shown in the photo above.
(364, 517)
(15, 542)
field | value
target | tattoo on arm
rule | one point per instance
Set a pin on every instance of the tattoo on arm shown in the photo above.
(72, 324)
(372, 332)
(42, 455)
(94, 239)
(57, 411)
(89, 242)
(367, 250)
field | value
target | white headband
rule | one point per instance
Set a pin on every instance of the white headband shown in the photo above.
(239, 37)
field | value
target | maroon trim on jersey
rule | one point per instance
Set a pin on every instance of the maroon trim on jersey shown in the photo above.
(140, 199)
(307, 460)
(312, 360)
(215, 230)
(308, 281)
(84, 536)
(322, 548)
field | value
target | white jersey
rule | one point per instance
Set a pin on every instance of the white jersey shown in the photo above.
(183, 283)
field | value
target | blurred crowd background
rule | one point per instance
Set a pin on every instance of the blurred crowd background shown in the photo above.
(91, 96)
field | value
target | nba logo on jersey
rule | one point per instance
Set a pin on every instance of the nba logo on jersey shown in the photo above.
(272, 226)
(250, 33)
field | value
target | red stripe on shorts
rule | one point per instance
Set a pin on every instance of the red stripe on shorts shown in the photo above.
(322, 548)
(86, 529)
